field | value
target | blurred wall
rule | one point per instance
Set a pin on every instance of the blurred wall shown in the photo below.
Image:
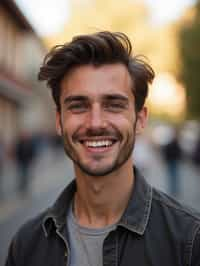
(24, 103)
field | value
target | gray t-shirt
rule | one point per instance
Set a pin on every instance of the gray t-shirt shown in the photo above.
(86, 244)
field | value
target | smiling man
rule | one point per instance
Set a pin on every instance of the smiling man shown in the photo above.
(98, 120)
(109, 215)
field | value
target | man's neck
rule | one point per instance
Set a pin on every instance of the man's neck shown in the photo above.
(101, 201)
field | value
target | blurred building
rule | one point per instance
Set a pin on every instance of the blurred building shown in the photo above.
(24, 104)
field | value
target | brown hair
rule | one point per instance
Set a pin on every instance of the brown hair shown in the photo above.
(97, 49)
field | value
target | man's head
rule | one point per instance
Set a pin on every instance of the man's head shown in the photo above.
(96, 49)
(99, 89)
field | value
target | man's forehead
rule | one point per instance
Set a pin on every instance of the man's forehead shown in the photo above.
(97, 83)
(110, 71)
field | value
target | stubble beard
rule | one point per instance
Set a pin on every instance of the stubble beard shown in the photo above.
(123, 155)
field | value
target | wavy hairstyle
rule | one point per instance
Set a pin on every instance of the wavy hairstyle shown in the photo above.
(97, 49)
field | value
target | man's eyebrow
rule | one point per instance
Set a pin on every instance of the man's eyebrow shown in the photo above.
(116, 97)
(107, 97)
(72, 98)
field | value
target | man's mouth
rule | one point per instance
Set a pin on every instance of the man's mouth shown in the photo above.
(101, 143)
(98, 144)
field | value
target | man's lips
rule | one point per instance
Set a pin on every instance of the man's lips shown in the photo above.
(98, 144)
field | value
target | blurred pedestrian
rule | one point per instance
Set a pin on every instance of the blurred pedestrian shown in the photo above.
(24, 155)
(172, 155)
(196, 153)
(2, 157)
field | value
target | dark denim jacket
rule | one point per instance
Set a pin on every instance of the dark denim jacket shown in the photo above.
(154, 230)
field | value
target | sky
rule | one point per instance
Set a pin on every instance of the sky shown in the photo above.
(46, 16)
(49, 16)
(166, 11)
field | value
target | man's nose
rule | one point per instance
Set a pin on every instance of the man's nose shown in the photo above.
(96, 118)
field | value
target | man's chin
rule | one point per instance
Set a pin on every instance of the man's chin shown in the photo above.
(98, 170)
(96, 173)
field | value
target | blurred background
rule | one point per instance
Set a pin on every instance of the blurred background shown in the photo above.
(33, 167)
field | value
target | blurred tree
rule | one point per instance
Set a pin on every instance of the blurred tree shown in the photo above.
(130, 17)
(165, 53)
(189, 49)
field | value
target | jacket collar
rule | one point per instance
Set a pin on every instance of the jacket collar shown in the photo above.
(135, 217)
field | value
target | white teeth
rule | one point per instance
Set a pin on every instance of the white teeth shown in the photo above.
(101, 143)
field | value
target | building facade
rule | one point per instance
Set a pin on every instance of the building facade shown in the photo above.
(24, 103)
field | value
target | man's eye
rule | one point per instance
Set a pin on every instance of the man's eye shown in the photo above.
(78, 107)
(116, 107)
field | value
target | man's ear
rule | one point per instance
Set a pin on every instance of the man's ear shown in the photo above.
(58, 123)
(142, 116)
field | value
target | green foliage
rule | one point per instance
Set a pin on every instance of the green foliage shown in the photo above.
(190, 53)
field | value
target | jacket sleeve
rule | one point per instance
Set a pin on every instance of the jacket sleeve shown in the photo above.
(195, 260)
(11, 256)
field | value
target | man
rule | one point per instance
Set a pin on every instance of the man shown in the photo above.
(109, 215)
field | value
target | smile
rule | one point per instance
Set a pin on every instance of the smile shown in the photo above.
(101, 143)
(98, 144)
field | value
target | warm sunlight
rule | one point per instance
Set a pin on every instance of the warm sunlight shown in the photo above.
(167, 96)
(49, 16)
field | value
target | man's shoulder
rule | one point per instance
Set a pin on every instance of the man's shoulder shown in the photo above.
(37, 226)
(32, 227)
(26, 239)
(171, 207)
(177, 224)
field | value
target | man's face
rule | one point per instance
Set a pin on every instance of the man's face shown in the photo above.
(97, 119)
